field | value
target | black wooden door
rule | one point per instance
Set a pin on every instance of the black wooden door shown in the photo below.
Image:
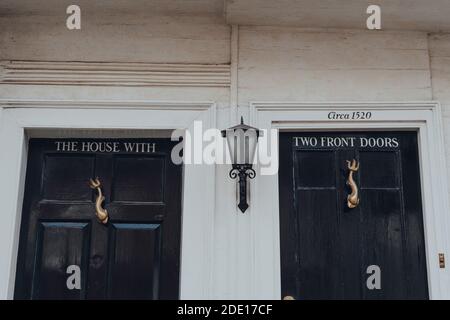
(135, 255)
(327, 247)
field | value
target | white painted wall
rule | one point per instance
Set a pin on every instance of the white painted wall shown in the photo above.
(321, 65)
(131, 38)
(273, 63)
(439, 46)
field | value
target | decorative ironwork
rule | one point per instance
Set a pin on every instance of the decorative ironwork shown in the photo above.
(100, 212)
(243, 171)
(242, 140)
(353, 197)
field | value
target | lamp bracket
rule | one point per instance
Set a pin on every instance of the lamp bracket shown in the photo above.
(243, 171)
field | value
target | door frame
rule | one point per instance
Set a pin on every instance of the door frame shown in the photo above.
(198, 200)
(423, 117)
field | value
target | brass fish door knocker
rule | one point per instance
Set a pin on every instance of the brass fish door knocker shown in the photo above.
(353, 197)
(100, 212)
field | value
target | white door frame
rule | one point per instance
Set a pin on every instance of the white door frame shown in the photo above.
(198, 180)
(425, 117)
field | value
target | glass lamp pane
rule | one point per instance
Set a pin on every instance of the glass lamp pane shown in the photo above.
(231, 141)
(240, 146)
(252, 143)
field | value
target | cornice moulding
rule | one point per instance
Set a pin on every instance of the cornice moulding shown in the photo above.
(114, 74)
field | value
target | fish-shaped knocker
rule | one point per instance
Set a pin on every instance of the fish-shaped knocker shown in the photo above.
(353, 197)
(100, 212)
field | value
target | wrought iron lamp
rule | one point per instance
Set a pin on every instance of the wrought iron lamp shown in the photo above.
(242, 141)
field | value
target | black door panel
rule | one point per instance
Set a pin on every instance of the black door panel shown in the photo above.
(134, 256)
(133, 273)
(326, 247)
(59, 244)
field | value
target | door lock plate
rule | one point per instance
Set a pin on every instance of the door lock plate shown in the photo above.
(441, 261)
